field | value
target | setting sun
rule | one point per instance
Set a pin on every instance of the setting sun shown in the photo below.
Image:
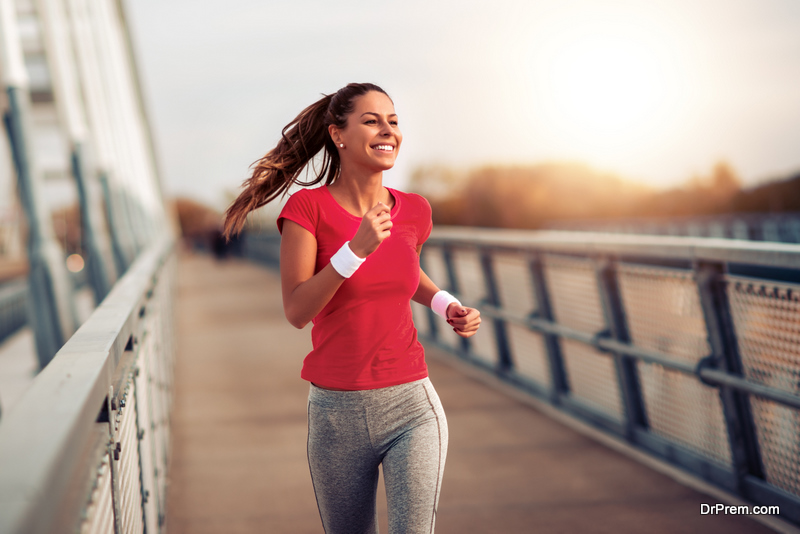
(611, 88)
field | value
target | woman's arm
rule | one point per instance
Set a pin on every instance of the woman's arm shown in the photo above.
(305, 294)
(465, 321)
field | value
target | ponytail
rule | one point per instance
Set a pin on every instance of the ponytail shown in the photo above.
(301, 140)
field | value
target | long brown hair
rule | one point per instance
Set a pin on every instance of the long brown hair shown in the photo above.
(301, 140)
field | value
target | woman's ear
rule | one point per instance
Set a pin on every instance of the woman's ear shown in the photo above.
(334, 131)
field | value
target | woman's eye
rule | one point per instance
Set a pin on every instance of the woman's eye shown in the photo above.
(371, 121)
(393, 123)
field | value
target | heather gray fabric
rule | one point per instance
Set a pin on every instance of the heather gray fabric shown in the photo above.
(350, 433)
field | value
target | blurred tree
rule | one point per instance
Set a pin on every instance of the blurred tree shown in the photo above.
(197, 220)
(531, 196)
(526, 197)
(774, 196)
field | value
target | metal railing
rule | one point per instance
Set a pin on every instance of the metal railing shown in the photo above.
(85, 448)
(687, 348)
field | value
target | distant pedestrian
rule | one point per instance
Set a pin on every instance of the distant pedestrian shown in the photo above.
(350, 264)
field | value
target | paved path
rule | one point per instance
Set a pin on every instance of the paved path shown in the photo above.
(239, 437)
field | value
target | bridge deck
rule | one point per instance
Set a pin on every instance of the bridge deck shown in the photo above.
(239, 434)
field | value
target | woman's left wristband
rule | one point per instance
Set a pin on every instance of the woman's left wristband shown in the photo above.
(441, 301)
(345, 262)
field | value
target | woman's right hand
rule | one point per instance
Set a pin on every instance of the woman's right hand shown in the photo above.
(375, 227)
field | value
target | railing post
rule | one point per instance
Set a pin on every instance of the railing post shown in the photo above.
(52, 314)
(452, 277)
(722, 340)
(504, 363)
(66, 86)
(627, 374)
(433, 326)
(121, 245)
(544, 311)
(97, 256)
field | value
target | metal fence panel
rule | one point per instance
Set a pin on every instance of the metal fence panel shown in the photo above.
(529, 355)
(663, 311)
(145, 425)
(592, 378)
(159, 318)
(514, 283)
(766, 316)
(99, 514)
(685, 411)
(575, 301)
(778, 432)
(574, 296)
(130, 477)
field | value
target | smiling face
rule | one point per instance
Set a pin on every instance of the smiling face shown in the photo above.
(371, 137)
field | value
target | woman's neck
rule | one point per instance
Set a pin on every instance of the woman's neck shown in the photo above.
(359, 194)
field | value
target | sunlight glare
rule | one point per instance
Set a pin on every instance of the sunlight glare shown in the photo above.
(612, 89)
(605, 85)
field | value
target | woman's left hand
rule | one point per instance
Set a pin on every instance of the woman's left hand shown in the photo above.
(465, 321)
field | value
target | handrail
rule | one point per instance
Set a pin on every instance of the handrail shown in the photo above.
(50, 437)
(782, 255)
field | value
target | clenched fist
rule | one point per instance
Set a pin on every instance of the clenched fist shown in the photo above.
(375, 227)
(465, 321)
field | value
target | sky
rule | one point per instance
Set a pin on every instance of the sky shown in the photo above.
(654, 91)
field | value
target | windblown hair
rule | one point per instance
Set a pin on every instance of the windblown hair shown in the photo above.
(301, 140)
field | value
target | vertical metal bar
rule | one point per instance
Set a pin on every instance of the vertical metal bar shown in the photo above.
(72, 117)
(433, 326)
(102, 128)
(139, 192)
(544, 311)
(120, 246)
(505, 363)
(112, 404)
(452, 277)
(722, 339)
(627, 374)
(52, 308)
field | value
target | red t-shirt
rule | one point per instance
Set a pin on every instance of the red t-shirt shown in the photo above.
(365, 338)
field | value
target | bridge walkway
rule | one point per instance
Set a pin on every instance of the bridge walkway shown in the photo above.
(238, 460)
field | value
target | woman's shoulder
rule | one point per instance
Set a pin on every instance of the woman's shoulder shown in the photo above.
(417, 202)
(306, 198)
(307, 194)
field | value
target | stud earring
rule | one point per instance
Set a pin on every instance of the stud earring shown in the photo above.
(341, 145)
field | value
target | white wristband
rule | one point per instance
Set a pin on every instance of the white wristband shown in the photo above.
(441, 301)
(345, 261)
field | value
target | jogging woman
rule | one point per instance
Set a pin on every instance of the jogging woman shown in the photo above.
(350, 264)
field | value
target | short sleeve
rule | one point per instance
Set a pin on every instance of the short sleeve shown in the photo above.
(302, 209)
(425, 220)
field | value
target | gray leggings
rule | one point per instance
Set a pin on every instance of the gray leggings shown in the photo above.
(350, 433)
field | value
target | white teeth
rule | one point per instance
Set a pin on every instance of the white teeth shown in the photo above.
(387, 148)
